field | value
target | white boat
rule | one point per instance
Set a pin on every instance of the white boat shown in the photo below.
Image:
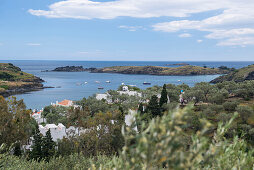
(108, 81)
(97, 82)
(122, 83)
(86, 82)
(179, 80)
(133, 85)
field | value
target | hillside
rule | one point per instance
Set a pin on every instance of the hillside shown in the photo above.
(167, 71)
(13, 80)
(240, 75)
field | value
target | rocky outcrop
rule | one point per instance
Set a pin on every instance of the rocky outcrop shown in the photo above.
(240, 75)
(167, 71)
(26, 87)
(71, 69)
(14, 81)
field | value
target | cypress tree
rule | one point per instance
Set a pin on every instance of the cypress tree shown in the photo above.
(17, 150)
(154, 107)
(36, 152)
(164, 96)
(48, 146)
(141, 108)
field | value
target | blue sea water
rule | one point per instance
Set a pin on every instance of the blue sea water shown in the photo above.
(69, 81)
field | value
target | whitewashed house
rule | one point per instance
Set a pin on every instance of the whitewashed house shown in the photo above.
(37, 115)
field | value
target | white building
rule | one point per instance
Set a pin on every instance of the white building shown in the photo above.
(38, 117)
(125, 90)
(64, 103)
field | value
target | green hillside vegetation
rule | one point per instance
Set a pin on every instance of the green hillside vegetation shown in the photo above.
(11, 78)
(240, 75)
(156, 70)
(212, 129)
(9, 72)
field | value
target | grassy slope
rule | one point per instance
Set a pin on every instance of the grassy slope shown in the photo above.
(238, 75)
(12, 77)
(156, 70)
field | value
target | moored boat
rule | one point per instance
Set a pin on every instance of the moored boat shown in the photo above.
(146, 83)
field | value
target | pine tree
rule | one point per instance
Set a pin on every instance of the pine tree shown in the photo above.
(164, 96)
(154, 107)
(48, 146)
(36, 152)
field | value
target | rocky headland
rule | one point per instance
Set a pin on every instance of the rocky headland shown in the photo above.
(14, 81)
(239, 75)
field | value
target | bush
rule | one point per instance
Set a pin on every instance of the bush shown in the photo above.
(230, 106)
(245, 112)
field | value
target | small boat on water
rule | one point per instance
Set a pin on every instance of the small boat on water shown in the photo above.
(146, 83)
(179, 80)
(133, 85)
(97, 82)
(107, 81)
(86, 82)
(100, 88)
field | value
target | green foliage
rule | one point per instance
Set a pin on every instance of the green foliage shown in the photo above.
(37, 153)
(245, 112)
(154, 107)
(230, 106)
(16, 125)
(161, 145)
(48, 146)
(4, 87)
(164, 96)
(55, 114)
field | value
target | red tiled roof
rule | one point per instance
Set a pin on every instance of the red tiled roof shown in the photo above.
(64, 102)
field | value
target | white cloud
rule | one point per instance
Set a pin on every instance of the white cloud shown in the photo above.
(185, 35)
(131, 28)
(33, 44)
(87, 9)
(199, 41)
(233, 26)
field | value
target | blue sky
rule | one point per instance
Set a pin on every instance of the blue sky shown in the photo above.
(127, 30)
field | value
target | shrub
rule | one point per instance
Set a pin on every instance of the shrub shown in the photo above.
(230, 106)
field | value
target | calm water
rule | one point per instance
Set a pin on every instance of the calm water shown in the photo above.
(69, 81)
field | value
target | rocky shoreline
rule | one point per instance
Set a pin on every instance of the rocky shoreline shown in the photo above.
(14, 81)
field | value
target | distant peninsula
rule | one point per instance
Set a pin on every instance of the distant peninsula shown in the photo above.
(71, 69)
(187, 70)
(14, 81)
(178, 64)
(238, 75)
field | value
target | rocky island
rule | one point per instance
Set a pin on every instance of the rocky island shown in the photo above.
(239, 75)
(14, 81)
(178, 64)
(71, 69)
(164, 71)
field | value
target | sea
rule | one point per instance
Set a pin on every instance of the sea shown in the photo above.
(72, 86)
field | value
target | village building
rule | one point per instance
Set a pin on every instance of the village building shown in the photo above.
(64, 103)
(37, 115)
(125, 90)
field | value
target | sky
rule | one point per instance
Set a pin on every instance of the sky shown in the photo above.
(127, 30)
